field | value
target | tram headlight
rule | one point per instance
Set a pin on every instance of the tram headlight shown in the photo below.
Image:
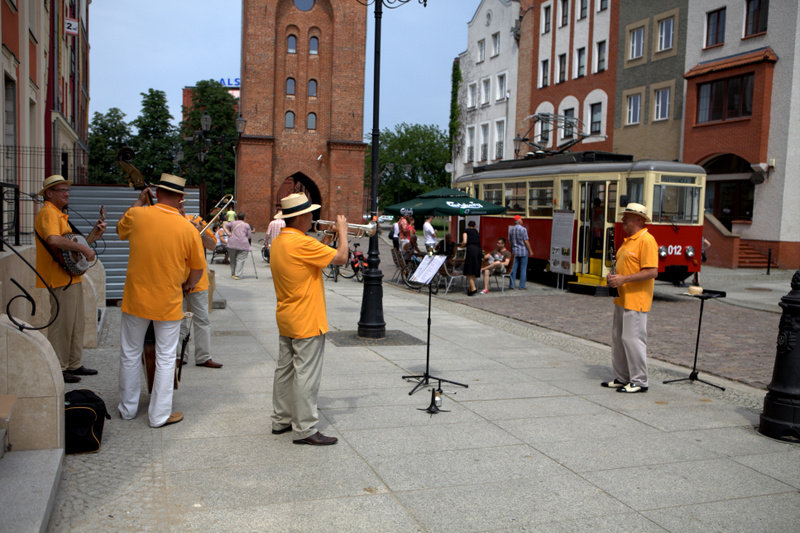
(662, 252)
(690, 251)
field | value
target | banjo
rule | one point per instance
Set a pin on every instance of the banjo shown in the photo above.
(75, 263)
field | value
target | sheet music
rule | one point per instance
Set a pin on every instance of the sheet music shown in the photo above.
(428, 268)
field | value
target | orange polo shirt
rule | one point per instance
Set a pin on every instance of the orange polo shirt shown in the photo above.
(296, 262)
(50, 220)
(638, 251)
(202, 285)
(164, 246)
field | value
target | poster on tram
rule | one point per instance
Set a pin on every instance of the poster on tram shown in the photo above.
(561, 241)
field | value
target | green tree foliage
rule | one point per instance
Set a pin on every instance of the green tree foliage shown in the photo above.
(217, 144)
(454, 125)
(411, 161)
(156, 138)
(107, 134)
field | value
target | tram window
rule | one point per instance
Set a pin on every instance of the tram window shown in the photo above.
(515, 198)
(493, 192)
(540, 199)
(566, 194)
(611, 206)
(636, 190)
(676, 204)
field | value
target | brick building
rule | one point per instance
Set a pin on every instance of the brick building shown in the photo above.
(302, 94)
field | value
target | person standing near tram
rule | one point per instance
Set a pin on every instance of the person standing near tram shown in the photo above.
(636, 269)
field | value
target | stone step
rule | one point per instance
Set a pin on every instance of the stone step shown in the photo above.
(28, 486)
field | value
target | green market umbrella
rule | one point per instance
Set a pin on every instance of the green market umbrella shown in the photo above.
(444, 202)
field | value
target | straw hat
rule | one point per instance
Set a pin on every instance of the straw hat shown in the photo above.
(52, 181)
(295, 204)
(636, 209)
(172, 183)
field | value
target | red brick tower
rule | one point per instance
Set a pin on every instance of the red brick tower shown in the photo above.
(303, 98)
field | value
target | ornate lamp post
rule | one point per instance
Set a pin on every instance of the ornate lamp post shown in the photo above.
(371, 323)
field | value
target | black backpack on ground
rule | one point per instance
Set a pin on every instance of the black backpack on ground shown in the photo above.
(84, 416)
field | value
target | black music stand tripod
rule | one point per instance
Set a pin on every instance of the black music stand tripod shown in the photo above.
(425, 378)
(705, 295)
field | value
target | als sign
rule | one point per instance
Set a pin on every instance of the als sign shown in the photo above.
(229, 82)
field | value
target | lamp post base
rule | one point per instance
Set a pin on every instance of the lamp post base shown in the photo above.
(371, 324)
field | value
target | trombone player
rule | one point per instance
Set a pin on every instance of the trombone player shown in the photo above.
(296, 261)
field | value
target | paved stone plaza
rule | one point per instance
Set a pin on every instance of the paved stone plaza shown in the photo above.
(533, 444)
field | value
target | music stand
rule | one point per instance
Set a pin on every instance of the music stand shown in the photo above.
(424, 274)
(705, 295)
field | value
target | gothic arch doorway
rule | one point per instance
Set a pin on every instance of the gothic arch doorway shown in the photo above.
(299, 183)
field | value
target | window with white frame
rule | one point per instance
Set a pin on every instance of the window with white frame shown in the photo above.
(602, 5)
(484, 156)
(495, 44)
(715, 27)
(569, 123)
(481, 50)
(634, 103)
(661, 104)
(313, 45)
(757, 15)
(584, 9)
(544, 75)
(472, 95)
(666, 29)
(636, 43)
(501, 87)
(547, 15)
(580, 62)
(596, 113)
(562, 68)
(544, 133)
(486, 90)
(499, 137)
(564, 12)
(601, 56)
(470, 152)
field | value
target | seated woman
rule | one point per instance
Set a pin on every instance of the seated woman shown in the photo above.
(411, 249)
(497, 259)
(221, 234)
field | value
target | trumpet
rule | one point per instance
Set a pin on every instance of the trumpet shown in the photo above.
(220, 208)
(356, 231)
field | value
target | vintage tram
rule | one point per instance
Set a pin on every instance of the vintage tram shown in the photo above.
(592, 186)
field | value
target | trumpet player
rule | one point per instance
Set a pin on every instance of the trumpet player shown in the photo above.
(196, 301)
(297, 261)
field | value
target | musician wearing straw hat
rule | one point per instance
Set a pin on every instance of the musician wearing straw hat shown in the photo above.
(65, 333)
(636, 269)
(163, 247)
(297, 261)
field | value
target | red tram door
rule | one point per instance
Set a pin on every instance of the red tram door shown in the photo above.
(596, 217)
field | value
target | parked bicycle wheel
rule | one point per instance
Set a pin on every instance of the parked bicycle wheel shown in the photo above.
(331, 272)
(360, 273)
(407, 273)
(346, 270)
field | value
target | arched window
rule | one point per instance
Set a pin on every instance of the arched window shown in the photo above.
(313, 46)
(312, 87)
(291, 44)
(288, 122)
(311, 121)
(290, 86)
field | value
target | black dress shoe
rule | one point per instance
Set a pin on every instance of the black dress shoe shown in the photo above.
(282, 431)
(472, 292)
(317, 439)
(69, 377)
(210, 364)
(83, 371)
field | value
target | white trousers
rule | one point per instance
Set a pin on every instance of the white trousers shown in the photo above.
(197, 303)
(629, 346)
(130, 367)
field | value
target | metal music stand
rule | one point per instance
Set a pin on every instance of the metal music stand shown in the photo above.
(705, 295)
(426, 270)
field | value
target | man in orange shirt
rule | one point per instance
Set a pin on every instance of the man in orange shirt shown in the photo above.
(196, 301)
(297, 261)
(65, 333)
(163, 247)
(636, 270)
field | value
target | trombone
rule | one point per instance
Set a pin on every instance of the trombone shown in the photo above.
(355, 231)
(220, 208)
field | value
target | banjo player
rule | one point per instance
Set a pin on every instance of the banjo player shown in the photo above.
(52, 223)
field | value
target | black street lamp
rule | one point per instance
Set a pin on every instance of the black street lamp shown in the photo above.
(371, 323)
(202, 134)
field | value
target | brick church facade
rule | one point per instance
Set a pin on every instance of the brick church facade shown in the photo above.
(302, 95)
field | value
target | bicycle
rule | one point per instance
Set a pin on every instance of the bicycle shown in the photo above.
(264, 250)
(358, 261)
(408, 272)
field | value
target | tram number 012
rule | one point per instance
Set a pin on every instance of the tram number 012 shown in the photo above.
(674, 249)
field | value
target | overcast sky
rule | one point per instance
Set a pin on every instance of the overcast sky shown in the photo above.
(170, 44)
